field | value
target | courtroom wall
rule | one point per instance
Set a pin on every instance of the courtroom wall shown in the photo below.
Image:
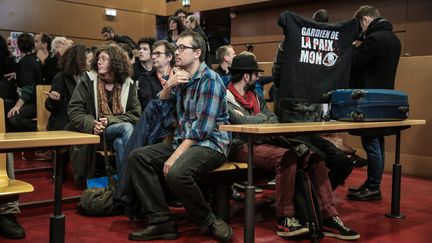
(80, 20)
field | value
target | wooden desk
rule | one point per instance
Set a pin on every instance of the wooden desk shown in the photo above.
(10, 142)
(253, 130)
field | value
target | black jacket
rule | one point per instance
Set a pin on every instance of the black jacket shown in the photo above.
(65, 85)
(375, 61)
(148, 88)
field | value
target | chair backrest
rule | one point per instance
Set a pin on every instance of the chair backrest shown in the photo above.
(42, 113)
(3, 173)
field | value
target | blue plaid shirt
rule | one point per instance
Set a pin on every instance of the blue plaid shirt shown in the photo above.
(201, 107)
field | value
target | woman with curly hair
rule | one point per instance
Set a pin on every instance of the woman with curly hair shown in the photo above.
(104, 101)
(73, 66)
(175, 27)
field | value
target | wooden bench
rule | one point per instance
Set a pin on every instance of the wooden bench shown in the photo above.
(9, 186)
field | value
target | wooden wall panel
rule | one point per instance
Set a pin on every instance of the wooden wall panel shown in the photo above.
(202, 5)
(77, 21)
(144, 6)
(419, 26)
(413, 76)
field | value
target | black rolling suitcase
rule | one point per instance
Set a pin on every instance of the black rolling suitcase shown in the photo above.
(368, 105)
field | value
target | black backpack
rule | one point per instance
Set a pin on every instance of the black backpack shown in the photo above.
(306, 205)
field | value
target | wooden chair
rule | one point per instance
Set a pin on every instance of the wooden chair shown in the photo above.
(9, 186)
(42, 113)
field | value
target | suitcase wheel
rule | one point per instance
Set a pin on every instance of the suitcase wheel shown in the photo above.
(357, 94)
(357, 116)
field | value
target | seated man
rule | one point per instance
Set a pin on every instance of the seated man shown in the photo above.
(199, 146)
(246, 107)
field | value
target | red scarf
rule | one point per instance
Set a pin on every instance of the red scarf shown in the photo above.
(249, 101)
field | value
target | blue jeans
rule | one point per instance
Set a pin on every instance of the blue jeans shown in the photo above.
(375, 151)
(118, 134)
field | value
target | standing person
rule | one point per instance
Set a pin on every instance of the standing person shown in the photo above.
(28, 75)
(104, 101)
(182, 14)
(108, 34)
(49, 62)
(73, 66)
(193, 23)
(145, 61)
(8, 88)
(339, 165)
(224, 56)
(374, 64)
(245, 106)
(163, 61)
(175, 27)
(198, 147)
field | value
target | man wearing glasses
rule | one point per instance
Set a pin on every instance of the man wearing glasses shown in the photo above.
(198, 95)
(150, 84)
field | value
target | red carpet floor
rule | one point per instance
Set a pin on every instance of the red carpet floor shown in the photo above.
(365, 217)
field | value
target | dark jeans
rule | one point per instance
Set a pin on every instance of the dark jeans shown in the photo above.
(146, 171)
(375, 151)
(337, 162)
(22, 122)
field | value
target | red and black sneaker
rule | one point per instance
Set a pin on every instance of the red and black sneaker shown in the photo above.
(290, 227)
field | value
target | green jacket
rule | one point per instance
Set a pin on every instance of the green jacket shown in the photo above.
(82, 112)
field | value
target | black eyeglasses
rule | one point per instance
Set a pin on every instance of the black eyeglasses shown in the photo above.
(157, 53)
(181, 48)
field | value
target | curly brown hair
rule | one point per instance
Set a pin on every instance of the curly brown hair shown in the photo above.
(119, 66)
(73, 61)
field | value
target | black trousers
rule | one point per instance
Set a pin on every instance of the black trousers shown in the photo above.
(145, 166)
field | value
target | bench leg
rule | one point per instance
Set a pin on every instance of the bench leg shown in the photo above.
(221, 202)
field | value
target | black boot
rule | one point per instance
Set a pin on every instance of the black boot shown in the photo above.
(165, 231)
(10, 228)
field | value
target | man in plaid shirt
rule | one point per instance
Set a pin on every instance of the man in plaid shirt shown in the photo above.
(198, 147)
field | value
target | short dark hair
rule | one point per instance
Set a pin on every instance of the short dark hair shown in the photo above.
(169, 49)
(367, 10)
(198, 42)
(45, 38)
(321, 15)
(147, 40)
(180, 10)
(221, 52)
(235, 77)
(26, 42)
(107, 29)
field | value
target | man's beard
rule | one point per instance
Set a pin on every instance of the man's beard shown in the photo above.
(250, 86)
